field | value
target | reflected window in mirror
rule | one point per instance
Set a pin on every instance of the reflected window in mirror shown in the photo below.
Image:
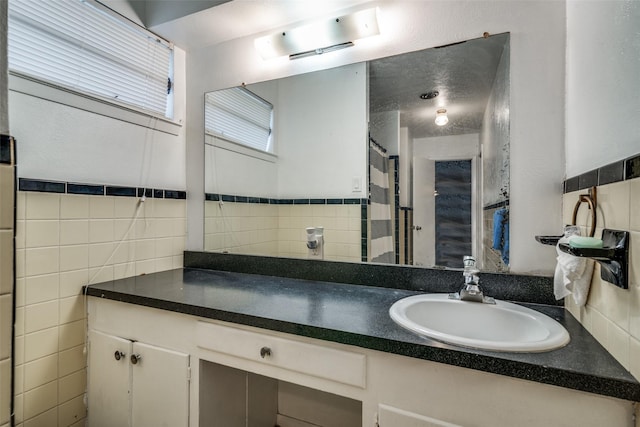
(240, 116)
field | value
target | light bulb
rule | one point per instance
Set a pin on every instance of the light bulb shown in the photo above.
(441, 117)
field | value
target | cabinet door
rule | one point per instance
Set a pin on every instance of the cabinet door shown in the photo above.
(160, 387)
(108, 381)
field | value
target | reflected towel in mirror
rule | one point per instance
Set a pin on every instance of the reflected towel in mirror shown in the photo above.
(501, 233)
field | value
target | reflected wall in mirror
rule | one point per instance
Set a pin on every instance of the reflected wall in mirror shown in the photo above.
(356, 150)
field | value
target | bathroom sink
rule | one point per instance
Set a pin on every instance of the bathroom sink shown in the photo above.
(502, 326)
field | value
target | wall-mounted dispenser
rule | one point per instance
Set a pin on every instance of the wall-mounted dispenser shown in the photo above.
(315, 242)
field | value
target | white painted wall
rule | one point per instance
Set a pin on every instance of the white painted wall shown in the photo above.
(62, 143)
(603, 83)
(537, 125)
(406, 167)
(455, 147)
(322, 135)
(385, 130)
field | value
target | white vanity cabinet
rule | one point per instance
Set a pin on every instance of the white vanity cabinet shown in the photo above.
(136, 384)
(244, 376)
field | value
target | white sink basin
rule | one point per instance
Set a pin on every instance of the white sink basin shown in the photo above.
(500, 327)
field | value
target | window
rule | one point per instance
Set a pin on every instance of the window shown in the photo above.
(85, 47)
(239, 116)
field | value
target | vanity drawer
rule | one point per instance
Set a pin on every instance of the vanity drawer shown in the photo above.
(319, 361)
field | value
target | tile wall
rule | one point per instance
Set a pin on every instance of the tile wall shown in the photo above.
(7, 191)
(64, 241)
(612, 314)
(279, 229)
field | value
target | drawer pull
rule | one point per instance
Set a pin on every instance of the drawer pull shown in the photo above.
(135, 359)
(265, 352)
(118, 355)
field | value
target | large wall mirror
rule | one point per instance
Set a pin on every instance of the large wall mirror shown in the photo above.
(356, 151)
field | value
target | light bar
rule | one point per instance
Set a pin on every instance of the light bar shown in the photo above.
(319, 37)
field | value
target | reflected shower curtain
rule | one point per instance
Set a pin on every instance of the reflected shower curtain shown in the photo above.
(381, 236)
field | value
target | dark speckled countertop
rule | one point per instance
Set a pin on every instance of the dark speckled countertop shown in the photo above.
(358, 315)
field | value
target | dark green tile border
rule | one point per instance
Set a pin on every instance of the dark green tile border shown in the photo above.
(622, 170)
(60, 187)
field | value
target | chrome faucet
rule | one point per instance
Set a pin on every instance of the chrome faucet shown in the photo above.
(471, 290)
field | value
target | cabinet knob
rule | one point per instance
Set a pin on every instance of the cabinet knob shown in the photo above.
(118, 355)
(135, 358)
(265, 352)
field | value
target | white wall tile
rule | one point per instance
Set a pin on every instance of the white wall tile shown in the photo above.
(101, 207)
(7, 196)
(72, 385)
(126, 207)
(18, 375)
(20, 231)
(145, 228)
(41, 316)
(100, 254)
(101, 230)
(39, 261)
(100, 274)
(72, 309)
(634, 204)
(613, 206)
(5, 390)
(74, 232)
(46, 419)
(40, 400)
(6, 303)
(18, 355)
(71, 282)
(618, 343)
(40, 233)
(74, 257)
(42, 206)
(121, 271)
(19, 321)
(41, 288)
(74, 206)
(40, 344)
(40, 372)
(71, 334)
(6, 261)
(72, 412)
(72, 360)
(18, 408)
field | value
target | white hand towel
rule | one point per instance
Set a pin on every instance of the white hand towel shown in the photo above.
(572, 274)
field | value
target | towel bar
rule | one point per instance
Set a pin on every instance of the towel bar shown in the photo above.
(589, 199)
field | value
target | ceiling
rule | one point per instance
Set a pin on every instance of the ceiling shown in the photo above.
(462, 73)
(193, 24)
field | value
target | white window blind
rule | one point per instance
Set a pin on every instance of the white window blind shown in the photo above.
(239, 116)
(81, 45)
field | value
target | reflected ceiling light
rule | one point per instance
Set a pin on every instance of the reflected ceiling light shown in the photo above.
(441, 117)
(319, 37)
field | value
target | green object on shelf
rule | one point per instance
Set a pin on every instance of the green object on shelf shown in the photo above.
(585, 242)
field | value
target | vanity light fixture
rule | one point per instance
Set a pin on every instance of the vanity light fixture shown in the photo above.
(441, 117)
(320, 37)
